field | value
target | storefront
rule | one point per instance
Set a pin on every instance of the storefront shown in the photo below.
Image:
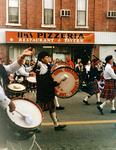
(58, 43)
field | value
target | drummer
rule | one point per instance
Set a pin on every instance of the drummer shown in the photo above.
(4, 100)
(46, 87)
(24, 72)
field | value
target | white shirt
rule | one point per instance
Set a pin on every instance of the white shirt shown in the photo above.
(4, 100)
(87, 67)
(12, 68)
(24, 71)
(43, 67)
(109, 72)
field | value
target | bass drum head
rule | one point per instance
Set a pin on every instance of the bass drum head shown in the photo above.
(70, 85)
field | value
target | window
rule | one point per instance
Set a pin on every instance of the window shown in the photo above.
(81, 12)
(48, 12)
(13, 11)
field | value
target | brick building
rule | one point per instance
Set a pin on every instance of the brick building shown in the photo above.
(79, 28)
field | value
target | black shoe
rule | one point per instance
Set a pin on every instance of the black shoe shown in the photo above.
(98, 103)
(100, 110)
(59, 127)
(113, 111)
(86, 102)
(60, 108)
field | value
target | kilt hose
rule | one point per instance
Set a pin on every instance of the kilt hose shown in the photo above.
(109, 91)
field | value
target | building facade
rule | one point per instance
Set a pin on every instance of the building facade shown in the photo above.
(79, 28)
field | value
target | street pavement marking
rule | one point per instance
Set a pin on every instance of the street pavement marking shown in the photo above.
(82, 122)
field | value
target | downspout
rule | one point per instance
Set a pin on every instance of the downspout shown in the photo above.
(60, 16)
(107, 23)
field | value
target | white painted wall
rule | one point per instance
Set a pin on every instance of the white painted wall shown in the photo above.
(105, 38)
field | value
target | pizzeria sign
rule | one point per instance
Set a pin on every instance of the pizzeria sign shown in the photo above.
(49, 37)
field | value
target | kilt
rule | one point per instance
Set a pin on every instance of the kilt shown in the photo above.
(109, 91)
(92, 88)
(47, 106)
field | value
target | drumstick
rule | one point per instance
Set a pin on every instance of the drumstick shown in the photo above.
(20, 113)
(65, 76)
(27, 119)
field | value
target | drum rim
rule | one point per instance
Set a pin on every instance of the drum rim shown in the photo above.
(16, 90)
(24, 128)
(61, 63)
(31, 77)
(78, 79)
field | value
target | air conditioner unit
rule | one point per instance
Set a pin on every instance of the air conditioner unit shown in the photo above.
(111, 14)
(65, 12)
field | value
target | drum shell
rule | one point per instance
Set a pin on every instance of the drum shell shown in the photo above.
(58, 65)
(18, 133)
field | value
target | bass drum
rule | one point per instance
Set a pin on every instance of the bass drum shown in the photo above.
(18, 126)
(70, 82)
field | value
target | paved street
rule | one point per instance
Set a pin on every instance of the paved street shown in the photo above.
(86, 128)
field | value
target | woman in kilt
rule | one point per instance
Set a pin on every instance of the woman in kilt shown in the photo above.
(109, 91)
(92, 82)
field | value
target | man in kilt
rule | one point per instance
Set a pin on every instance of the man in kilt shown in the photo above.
(92, 82)
(46, 87)
(109, 91)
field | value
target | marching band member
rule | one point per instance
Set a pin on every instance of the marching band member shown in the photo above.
(4, 100)
(46, 87)
(92, 83)
(109, 91)
(24, 72)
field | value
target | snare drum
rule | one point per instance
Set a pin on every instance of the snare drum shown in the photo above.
(18, 127)
(31, 83)
(16, 89)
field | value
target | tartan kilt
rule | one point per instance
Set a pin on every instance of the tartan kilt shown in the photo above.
(92, 88)
(109, 91)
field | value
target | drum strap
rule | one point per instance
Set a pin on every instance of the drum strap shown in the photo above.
(36, 68)
(3, 78)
